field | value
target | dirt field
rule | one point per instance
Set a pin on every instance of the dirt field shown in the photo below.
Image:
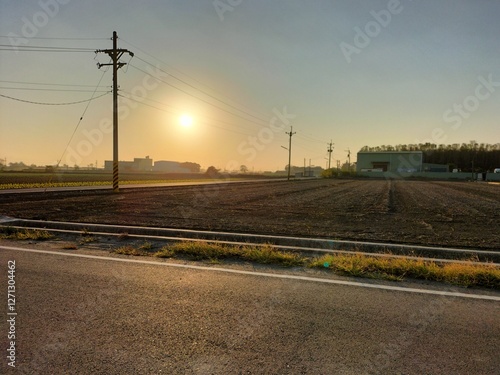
(418, 212)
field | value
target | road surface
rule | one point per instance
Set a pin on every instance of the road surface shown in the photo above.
(79, 315)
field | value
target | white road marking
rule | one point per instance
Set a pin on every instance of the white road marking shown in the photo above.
(264, 274)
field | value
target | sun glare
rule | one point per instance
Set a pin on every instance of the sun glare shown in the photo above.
(186, 120)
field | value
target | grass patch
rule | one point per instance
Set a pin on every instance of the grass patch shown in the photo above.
(9, 233)
(358, 265)
(215, 253)
(146, 246)
(270, 255)
(462, 274)
(129, 250)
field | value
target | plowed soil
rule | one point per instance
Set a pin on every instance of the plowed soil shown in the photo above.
(451, 214)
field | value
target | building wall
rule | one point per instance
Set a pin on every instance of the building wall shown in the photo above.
(143, 164)
(428, 167)
(390, 161)
(138, 165)
(169, 167)
(463, 176)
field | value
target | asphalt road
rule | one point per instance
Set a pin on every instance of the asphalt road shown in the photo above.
(98, 316)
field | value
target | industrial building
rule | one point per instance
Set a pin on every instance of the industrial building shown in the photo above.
(390, 161)
(146, 165)
(138, 165)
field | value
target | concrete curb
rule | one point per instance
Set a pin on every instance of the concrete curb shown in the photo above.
(317, 245)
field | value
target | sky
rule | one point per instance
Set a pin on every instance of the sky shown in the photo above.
(248, 73)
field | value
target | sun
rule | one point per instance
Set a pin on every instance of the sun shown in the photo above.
(186, 120)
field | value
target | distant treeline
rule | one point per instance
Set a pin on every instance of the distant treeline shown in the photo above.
(484, 157)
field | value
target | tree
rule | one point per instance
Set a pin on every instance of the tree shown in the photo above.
(243, 169)
(212, 171)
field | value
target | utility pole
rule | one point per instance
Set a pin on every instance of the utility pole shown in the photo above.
(115, 55)
(290, 151)
(330, 150)
(349, 157)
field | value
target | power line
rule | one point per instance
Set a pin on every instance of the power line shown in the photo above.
(197, 97)
(8, 47)
(177, 112)
(45, 89)
(48, 84)
(43, 103)
(81, 117)
(202, 91)
(145, 104)
(190, 77)
(57, 38)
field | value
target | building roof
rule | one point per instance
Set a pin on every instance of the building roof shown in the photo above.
(389, 152)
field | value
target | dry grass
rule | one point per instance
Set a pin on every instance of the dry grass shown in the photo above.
(358, 265)
(130, 250)
(215, 252)
(463, 274)
(10, 233)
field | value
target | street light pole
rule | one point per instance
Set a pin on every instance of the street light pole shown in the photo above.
(291, 133)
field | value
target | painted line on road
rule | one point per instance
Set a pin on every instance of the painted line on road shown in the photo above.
(264, 274)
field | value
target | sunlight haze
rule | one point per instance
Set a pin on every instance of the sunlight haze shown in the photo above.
(221, 82)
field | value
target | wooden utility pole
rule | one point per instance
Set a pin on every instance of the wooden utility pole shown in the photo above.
(115, 55)
(330, 150)
(349, 158)
(291, 133)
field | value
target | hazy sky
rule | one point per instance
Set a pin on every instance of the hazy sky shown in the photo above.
(354, 72)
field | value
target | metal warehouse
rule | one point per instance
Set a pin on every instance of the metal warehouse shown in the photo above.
(390, 161)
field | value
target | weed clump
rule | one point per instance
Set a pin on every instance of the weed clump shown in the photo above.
(357, 265)
(462, 274)
(215, 252)
(9, 233)
(129, 250)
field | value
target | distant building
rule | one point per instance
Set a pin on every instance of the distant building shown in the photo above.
(146, 165)
(169, 167)
(138, 165)
(390, 161)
